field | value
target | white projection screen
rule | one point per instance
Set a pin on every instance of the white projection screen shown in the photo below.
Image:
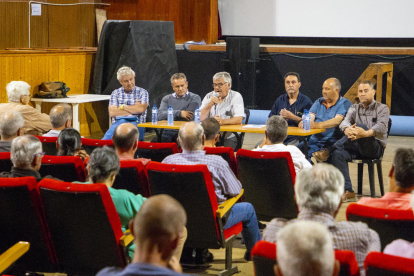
(318, 18)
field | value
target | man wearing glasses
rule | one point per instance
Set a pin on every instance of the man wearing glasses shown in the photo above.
(223, 104)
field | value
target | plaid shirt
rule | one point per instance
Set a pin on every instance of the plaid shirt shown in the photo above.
(120, 97)
(225, 182)
(346, 235)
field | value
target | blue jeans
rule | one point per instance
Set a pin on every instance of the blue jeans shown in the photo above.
(108, 135)
(245, 213)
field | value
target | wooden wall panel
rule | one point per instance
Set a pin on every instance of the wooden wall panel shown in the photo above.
(13, 25)
(72, 68)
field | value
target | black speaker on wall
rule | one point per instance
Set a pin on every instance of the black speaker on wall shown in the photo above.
(242, 56)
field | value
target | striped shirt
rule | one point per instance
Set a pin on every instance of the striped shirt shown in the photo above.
(120, 97)
(225, 182)
(346, 235)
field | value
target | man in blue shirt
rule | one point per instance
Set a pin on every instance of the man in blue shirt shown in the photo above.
(327, 112)
(291, 105)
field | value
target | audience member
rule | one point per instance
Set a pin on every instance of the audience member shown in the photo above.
(190, 137)
(11, 126)
(211, 132)
(125, 140)
(318, 193)
(128, 103)
(327, 112)
(60, 118)
(183, 102)
(275, 134)
(69, 143)
(365, 127)
(401, 183)
(224, 104)
(291, 105)
(305, 248)
(157, 228)
(18, 93)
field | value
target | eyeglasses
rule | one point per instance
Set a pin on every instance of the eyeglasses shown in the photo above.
(42, 153)
(219, 85)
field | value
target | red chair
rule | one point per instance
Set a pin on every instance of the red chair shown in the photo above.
(264, 258)
(5, 162)
(85, 229)
(132, 177)
(21, 219)
(90, 144)
(48, 145)
(66, 168)
(268, 181)
(193, 187)
(380, 264)
(155, 151)
(390, 224)
(227, 153)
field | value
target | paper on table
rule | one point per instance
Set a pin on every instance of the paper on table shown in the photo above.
(253, 126)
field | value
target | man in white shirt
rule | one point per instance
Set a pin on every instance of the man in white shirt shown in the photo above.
(275, 134)
(60, 118)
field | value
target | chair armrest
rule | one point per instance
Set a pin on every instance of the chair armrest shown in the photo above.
(226, 205)
(126, 239)
(13, 254)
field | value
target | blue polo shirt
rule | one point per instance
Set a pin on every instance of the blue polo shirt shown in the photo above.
(297, 108)
(323, 113)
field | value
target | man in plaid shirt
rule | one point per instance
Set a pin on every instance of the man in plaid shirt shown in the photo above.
(319, 196)
(128, 103)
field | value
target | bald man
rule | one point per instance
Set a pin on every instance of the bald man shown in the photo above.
(156, 238)
(11, 126)
(191, 138)
(60, 118)
(327, 112)
(125, 139)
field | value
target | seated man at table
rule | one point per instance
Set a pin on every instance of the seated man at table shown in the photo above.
(327, 112)
(125, 139)
(319, 193)
(291, 105)
(18, 93)
(401, 183)
(223, 104)
(128, 103)
(365, 130)
(183, 102)
(211, 132)
(275, 134)
(60, 118)
(11, 126)
(190, 137)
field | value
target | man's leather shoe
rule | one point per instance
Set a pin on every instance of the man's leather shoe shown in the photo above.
(321, 156)
(348, 197)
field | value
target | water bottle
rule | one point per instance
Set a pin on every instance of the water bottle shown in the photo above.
(306, 118)
(154, 115)
(197, 115)
(170, 116)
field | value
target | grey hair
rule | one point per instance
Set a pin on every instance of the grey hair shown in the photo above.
(10, 125)
(191, 136)
(124, 71)
(367, 82)
(178, 76)
(336, 84)
(102, 163)
(23, 150)
(305, 248)
(58, 119)
(15, 89)
(226, 76)
(276, 128)
(319, 188)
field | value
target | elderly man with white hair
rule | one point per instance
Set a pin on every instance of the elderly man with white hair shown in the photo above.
(319, 196)
(305, 248)
(11, 126)
(60, 118)
(128, 103)
(18, 93)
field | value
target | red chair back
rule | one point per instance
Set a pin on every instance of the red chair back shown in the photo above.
(155, 151)
(132, 177)
(90, 144)
(380, 264)
(390, 224)
(268, 180)
(227, 153)
(66, 168)
(49, 145)
(5, 162)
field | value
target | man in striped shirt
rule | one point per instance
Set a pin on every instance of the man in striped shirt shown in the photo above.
(226, 185)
